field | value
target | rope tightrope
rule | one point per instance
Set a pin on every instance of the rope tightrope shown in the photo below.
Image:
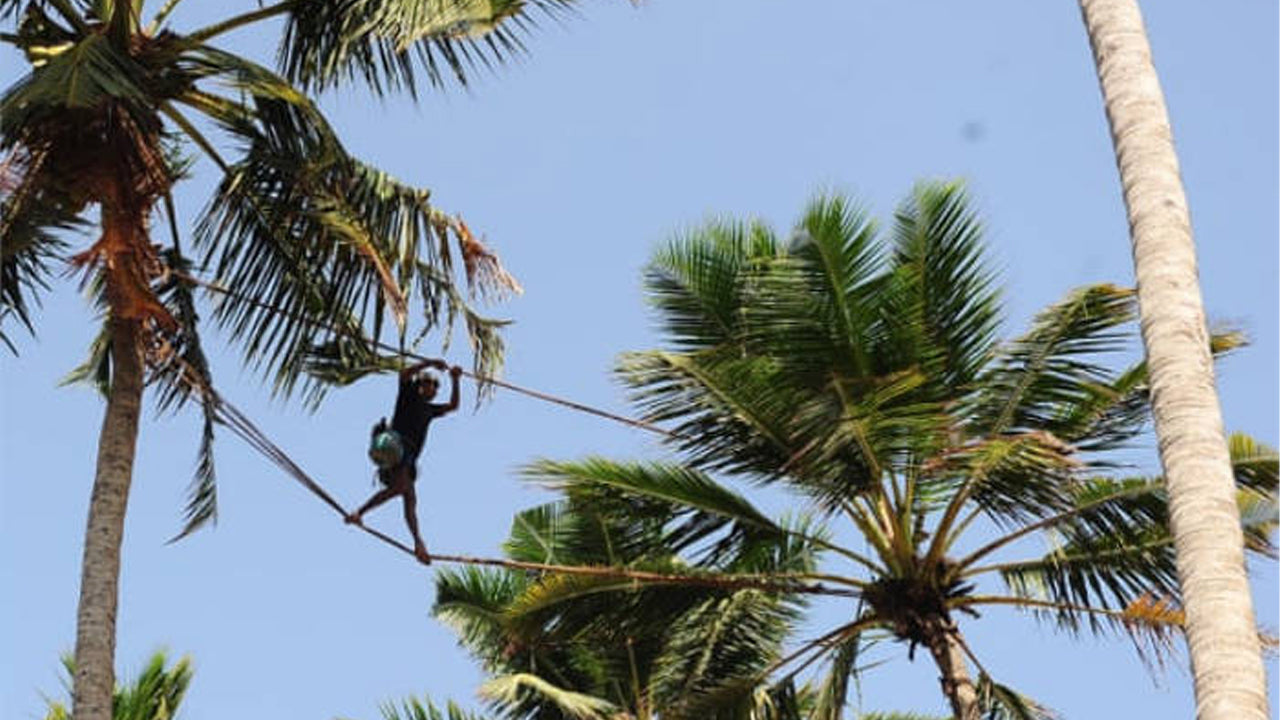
(232, 418)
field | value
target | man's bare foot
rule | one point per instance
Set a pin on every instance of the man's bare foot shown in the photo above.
(420, 552)
(353, 519)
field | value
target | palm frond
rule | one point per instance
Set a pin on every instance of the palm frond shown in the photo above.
(412, 708)
(637, 490)
(999, 702)
(833, 692)
(814, 312)
(34, 215)
(515, 689)
(154, 694)
(323, 244)
(473, 602)
(699, 282)
(1107, 414)
(1255, 464)
(95, 371)
(718, 644)
(733, 414)
(83, 75)
(941, 298)
(1053, 365)
(387, 43)
(202, 493)
(1010, 477)
(540, 534)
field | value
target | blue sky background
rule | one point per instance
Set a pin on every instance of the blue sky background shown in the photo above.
(623, 126)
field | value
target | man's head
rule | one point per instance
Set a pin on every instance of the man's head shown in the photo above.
(428, 385)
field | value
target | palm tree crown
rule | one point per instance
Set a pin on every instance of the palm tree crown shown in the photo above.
(863, 373)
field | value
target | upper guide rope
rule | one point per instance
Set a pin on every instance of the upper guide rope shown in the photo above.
(222, 289)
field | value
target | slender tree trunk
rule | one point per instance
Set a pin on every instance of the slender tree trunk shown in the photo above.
(94, 681)
(1225, 656)
(943, 640)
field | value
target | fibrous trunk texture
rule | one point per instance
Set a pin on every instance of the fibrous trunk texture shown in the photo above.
(1225, 655)
(94, 681)
(943, 639)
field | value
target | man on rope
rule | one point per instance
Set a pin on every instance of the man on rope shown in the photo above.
(395, 449)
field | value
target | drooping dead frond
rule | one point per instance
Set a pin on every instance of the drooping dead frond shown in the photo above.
(485, 273)
(1153, 624)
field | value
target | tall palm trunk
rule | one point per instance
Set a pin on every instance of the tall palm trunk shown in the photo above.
(943, 639)
(94, 681)
(1225, 655)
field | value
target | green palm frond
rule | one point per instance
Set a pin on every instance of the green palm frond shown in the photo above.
(1053, 365)
(675, 494)
(597, 602)
(387, 43)
(732, 414)
(154, 694)
(473, 602)
(814, 312)
(89, 72)
(297, 200)
(541, 534)
(95, 371)
(1011, 477)
(699, 282)
(1113, 568)
(999, 702)
(833, 691)
(412, 708)
(1102, 573)
(1108, 414)
(1112, 549)
(940, 296)
(516, 689)
(1255, 464)
(34, 216)
(716, 644)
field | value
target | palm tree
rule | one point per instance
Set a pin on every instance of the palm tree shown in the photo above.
(863, 375)
(1225, 657)
(99, 131)
(656, 652)
(154, 695)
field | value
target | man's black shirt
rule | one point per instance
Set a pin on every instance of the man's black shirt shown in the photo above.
(412, 416)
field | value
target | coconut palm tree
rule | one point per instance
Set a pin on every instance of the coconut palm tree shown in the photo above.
(102, 127)
(862, 374)
(1225, 657)
(154, 694)
(1226, 661)
(657, 656)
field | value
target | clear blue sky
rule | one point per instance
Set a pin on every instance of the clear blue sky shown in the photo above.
(622, 126)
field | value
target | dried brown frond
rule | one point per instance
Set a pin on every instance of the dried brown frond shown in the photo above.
(1153, 625)
(485, 273)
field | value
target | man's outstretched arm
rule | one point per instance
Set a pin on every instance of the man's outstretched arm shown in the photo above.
(454, 373)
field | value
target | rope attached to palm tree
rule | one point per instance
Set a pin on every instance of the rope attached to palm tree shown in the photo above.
(231, 417)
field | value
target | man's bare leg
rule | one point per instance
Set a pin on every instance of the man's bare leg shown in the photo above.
(383, 495)
(411, 519)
